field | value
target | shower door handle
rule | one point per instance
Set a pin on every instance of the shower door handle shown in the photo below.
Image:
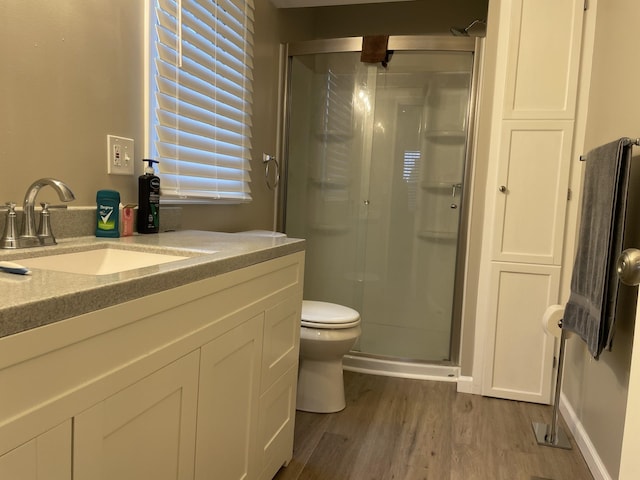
(454, 189)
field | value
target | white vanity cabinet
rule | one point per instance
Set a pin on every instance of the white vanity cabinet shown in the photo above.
(197, 382)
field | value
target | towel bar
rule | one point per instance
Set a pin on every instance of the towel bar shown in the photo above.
(629, 141)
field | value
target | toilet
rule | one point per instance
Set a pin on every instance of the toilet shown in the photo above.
(327, 333)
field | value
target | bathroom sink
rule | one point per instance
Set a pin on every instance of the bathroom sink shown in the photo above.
(99, 261)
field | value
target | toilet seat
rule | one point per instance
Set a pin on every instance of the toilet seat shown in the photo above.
(328, 315)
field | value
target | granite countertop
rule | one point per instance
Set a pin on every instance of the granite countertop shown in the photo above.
(47, 296)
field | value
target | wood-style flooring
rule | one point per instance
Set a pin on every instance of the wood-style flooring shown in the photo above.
(404, 429)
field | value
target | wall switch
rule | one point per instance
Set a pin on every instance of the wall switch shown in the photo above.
(120, 155)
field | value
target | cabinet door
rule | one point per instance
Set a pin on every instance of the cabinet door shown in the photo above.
(519, 363)
(146, 431)
(544, 58)
(533, 179)
(228, 404)
(46, 457)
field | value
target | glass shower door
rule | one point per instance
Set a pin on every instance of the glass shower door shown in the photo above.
(376, 164)
(327, 161)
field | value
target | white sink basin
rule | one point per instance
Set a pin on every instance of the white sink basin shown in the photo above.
(100, 261)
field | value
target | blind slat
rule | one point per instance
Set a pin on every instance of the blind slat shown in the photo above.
(170, 151)
(216, 101)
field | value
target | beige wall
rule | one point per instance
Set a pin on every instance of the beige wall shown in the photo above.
(417, 17)
(597, 390)
(72, 73)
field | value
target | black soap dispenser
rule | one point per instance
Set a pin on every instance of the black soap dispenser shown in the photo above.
(148, 199)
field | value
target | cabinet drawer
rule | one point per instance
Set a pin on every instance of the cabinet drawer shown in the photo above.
(281, 340)
(276, 424)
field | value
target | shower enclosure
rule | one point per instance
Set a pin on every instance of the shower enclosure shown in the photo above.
(376, 168)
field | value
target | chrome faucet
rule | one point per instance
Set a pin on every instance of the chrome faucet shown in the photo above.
(28, 235)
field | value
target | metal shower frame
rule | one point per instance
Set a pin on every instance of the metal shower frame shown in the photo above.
(433, 43)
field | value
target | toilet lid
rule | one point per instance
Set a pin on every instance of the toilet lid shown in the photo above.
(328, 315)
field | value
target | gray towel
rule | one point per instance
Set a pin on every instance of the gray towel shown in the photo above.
(591, 309)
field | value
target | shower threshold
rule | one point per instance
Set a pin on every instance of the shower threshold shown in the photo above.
(361, 363)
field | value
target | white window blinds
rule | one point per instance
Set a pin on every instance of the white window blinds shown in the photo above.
(201, 97)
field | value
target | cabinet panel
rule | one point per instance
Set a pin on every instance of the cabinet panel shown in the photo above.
(520, 364)
(228, 404)
(530, 209)
(145, 431)
(543, 59)
(46, 457)
(281, 340)
(276, 425)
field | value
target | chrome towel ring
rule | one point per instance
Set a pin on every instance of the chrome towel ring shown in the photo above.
(266, 160)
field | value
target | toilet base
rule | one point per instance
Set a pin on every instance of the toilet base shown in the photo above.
(320, 386)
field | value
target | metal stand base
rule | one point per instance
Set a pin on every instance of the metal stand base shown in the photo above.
(544, 437)
(552, 435)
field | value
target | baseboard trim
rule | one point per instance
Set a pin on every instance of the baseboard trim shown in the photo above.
(466, 385)
(589, 452)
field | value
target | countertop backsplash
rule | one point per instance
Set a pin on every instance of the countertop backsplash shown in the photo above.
(75, 222)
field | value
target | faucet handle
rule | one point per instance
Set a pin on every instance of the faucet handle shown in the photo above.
(45, 235)
(9, 237)
(48, 206)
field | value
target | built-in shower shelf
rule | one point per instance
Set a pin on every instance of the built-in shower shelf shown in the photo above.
(329, 228)
(446, 136)
(436, 235)
(334, 136)
(329, 183)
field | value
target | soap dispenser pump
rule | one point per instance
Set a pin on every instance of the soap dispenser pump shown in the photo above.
(148, 199)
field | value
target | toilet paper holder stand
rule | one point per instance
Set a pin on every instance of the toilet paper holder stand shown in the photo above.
(552, 435)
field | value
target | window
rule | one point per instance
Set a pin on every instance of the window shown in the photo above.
(200, 96)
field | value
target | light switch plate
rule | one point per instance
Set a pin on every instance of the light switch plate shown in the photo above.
(120, 155)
